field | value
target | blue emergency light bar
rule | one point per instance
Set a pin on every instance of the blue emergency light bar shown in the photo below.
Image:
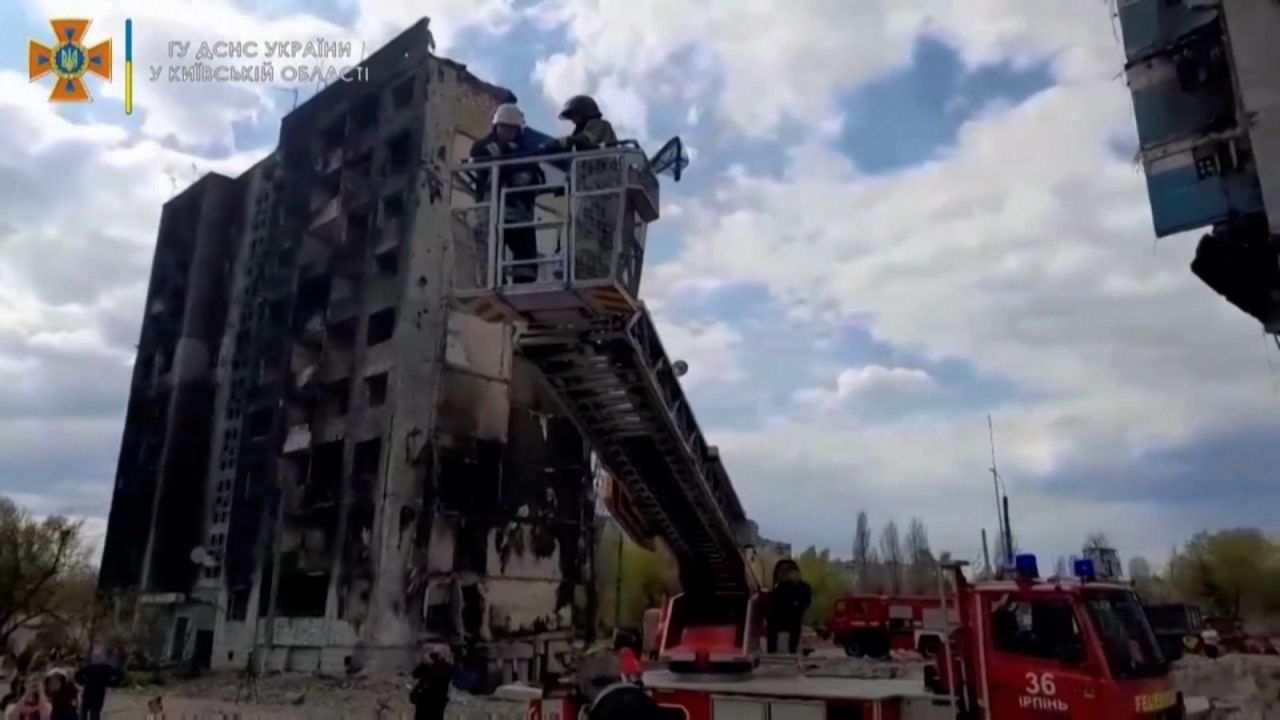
(1083, 568)
(1025, 566)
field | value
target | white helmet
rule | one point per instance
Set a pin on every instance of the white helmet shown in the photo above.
(508, 114)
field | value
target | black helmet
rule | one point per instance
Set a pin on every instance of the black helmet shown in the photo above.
(580, 107)
(782, 566)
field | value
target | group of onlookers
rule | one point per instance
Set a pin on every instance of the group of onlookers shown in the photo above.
(59, 694)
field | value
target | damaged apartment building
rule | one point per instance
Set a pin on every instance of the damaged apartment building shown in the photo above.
(1206, 94)
(323, 467)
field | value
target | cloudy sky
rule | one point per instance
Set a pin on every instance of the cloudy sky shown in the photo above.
(902, 215)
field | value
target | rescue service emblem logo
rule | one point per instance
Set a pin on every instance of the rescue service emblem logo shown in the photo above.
(69, 60)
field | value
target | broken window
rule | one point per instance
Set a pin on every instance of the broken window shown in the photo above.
(300, 594)
(376, 389)
(468, 479)
(331, 136)
(402, 93)
(325, 474)
(361, 166)
(164, 360)
(399, 152)
(364, 113)
(259, 423)
(338, 396)
(382, 325)
(357, 223)
(388, 262)
(392, 208)
(368, 456)
(238, 608)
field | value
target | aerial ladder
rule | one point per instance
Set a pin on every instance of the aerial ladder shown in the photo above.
(580, 321)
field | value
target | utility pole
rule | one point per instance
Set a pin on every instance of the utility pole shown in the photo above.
(986, 554)
(1008, 534)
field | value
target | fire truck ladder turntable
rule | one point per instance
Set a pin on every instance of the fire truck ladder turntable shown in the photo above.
(582, 325)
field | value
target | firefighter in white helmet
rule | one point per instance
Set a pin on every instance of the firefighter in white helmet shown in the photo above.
(508, 138)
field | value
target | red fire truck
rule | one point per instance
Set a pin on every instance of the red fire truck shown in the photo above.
(874, 625)
(1020, 648)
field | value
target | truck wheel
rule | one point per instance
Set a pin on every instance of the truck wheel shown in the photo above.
(853, 647)
(928, 646)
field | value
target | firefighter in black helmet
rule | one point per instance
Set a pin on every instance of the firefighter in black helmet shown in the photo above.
(590, 129)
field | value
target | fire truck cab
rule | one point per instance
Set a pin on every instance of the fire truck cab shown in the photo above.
(1074, 648)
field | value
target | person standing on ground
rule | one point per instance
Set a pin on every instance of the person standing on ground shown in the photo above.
(32, 704)
(94, 679)
(788, 602)
(61, 695)
(430, 694)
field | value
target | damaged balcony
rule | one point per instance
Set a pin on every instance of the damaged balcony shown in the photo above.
(347, 260)
(326, 207)
(357, 182)
(362, 126)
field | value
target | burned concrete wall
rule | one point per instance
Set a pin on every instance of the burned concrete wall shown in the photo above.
(381, 470)
(157, 507)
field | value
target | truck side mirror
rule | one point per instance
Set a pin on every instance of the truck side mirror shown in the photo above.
(1071, 654)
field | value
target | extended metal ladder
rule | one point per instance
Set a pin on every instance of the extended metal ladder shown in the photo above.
(616, 379)
(597, 348)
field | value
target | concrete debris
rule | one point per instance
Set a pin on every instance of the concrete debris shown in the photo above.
(1239, 687)
(863, 668)
(297, 696)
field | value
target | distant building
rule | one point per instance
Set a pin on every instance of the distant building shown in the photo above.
(320, 460)
(1106, 562)
(775, 547)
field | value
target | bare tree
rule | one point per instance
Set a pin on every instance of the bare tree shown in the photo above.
(875, 577)
(1139, 568)
(36, 559)
(862, 552)
(920, 576)
(891, 554)
(1097, 541)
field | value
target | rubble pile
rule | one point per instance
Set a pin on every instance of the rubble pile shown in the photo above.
(296, 697)
(1239, 687)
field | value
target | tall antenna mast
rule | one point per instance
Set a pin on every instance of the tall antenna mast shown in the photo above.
(995, 482)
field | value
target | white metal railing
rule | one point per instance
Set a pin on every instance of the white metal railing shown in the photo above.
(552, 221)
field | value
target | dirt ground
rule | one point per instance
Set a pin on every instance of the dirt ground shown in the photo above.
(1240, 687)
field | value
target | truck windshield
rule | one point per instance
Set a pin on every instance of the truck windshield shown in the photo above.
(1126, 638)
(1168, 618)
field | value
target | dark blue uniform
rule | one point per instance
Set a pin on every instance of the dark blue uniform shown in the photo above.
(522, 242)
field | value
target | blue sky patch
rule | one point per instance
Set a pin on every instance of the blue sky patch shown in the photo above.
(906, 117)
